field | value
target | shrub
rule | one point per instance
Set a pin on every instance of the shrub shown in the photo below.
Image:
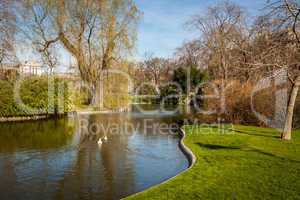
(34, 93)
(116, 92)
(7, 104)
(182, 76)
(168, 95)
(238, 108)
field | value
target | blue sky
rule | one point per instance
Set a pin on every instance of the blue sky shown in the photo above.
(161, 28)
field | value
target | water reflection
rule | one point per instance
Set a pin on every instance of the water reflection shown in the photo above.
(57, 160)
(40, 135)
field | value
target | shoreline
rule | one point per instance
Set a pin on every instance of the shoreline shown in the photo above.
(188, 154)
(49, 116)
(31, 118)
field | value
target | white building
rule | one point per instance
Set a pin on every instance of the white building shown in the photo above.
(26, 69)
(31, 68)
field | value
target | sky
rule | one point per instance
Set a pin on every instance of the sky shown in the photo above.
(162, 29)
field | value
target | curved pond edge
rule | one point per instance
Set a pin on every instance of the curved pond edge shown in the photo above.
(189, 155)
(39, 117)
(22, 119)
(186, 151)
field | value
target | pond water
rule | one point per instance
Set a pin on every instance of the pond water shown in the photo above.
(62, 159)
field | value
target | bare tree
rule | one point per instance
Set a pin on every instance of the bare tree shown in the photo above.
(218, 28)
(50, 59)
(285, 15)
(156, 69)
(191, 53)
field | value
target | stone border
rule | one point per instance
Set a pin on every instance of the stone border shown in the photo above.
(31, 118)
(22, 119)
(189, 155)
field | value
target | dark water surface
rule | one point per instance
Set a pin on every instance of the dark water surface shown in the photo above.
(62, 159)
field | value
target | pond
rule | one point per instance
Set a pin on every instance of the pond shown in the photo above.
(100, 156)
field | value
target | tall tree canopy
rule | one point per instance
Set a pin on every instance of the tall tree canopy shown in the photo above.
(97, 33)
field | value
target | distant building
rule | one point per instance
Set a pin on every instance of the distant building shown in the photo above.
(31, 68)
(27, 69)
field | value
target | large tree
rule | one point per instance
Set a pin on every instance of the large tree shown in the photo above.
(97, 33)
(156, 70)
(191, 53)
(219, 27)
(286, 18)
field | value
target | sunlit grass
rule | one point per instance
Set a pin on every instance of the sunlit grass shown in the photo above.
(243, 163)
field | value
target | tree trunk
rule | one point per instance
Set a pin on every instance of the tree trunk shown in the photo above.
(188, 103)
(101, 92)
(97, 94)
(287, 131)
(93, 95)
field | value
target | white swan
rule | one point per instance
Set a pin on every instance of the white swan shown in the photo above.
(105, 138)
(100, 142)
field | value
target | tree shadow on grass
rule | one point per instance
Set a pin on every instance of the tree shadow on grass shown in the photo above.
(245, 149)
(259, 133)
(272, 155)
(254, 133)
(217, 147)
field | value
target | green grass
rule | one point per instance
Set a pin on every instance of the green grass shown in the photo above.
(247, 163)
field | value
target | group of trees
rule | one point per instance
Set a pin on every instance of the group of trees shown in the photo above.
(234, 48)
(237, 50)
(98, 34)
(165, 80)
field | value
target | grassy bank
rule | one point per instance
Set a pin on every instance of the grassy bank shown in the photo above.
(247, 163)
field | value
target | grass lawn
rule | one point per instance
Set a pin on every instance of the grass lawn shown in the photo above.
(247, 163)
